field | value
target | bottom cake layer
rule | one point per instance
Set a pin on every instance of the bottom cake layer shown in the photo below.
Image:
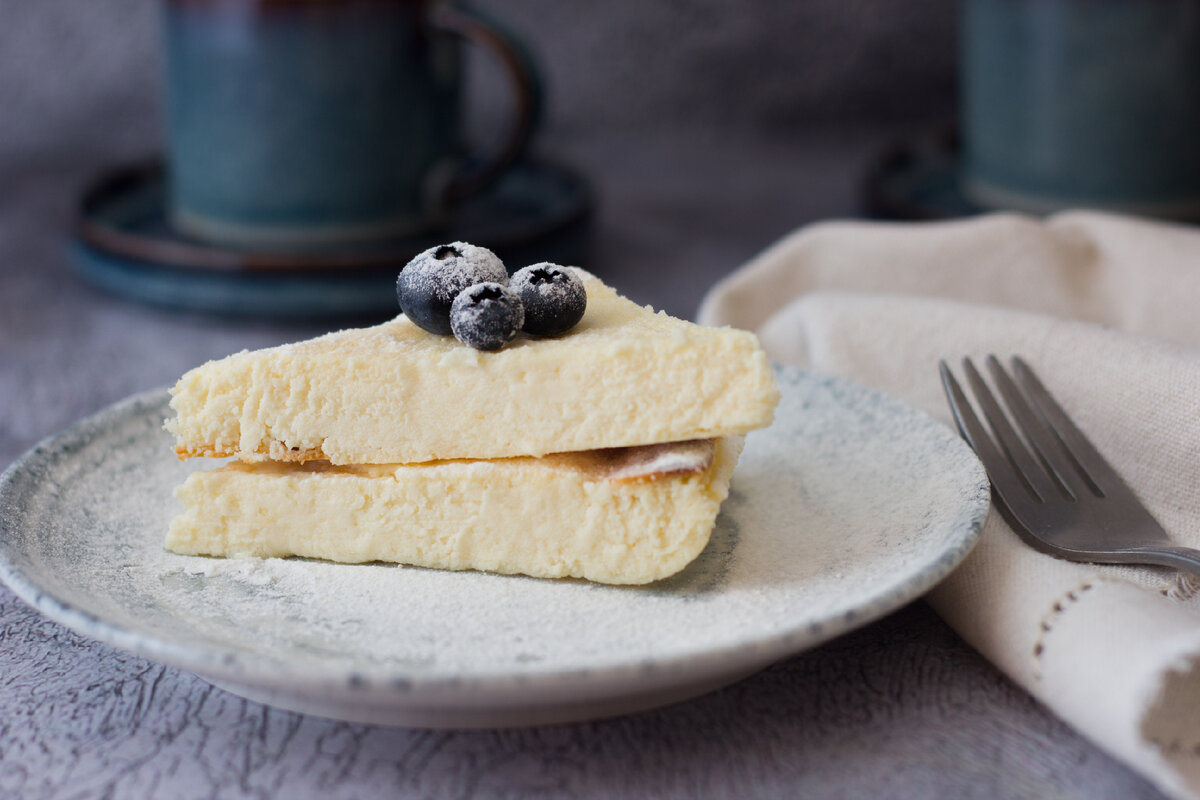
(626, 516)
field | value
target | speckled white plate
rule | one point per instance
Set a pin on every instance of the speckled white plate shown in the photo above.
(851, 505)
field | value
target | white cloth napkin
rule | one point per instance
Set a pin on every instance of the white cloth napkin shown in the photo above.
(1107, 310)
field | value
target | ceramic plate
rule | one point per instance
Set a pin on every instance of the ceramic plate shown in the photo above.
(849, 506)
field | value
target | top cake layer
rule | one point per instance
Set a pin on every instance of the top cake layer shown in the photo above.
(394, 393)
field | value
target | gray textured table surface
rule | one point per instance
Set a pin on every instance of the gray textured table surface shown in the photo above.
(901, 708)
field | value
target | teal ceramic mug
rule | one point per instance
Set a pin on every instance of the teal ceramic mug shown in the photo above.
(1092, 103)
(302, 123)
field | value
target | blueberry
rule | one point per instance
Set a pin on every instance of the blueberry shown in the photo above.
(553, 296)
(428, 284)
(486, 316)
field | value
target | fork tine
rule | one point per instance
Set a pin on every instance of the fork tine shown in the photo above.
(1039, 483)
(1006, 480)
(1048, 447)
(1095, 469)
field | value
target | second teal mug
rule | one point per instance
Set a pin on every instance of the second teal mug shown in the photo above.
(1082, 103)
(300, 123)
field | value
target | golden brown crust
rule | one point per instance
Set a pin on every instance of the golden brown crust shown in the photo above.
(287, 456)
(185, 453)
(617, 464)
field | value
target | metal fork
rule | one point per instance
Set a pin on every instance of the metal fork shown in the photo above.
(1050, 483)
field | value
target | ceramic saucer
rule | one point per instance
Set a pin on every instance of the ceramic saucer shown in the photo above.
(918, 178)
(123, 243)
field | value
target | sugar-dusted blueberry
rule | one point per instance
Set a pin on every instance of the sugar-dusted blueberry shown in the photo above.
(486, 316)
(428, 284)
(553, 296)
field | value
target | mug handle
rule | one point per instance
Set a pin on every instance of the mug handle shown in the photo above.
(526, 80)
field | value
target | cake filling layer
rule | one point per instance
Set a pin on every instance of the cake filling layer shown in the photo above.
(624, 517)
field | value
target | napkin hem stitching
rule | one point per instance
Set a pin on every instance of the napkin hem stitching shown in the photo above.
(1051, 617)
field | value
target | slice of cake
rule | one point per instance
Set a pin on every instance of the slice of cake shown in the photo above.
(625, 516)
(394, 393)
(563, 431)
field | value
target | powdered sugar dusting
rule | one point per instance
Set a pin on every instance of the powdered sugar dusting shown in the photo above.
(555, 298)
(429, 283)
(447, 269)
(558, 291)
(486, 316)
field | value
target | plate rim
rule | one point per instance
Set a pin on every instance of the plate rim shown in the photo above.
(502, 687)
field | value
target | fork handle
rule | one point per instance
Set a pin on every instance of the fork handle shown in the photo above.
(1183, 558)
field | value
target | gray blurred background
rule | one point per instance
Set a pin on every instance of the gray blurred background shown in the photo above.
(703, 70)
(710, 128)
